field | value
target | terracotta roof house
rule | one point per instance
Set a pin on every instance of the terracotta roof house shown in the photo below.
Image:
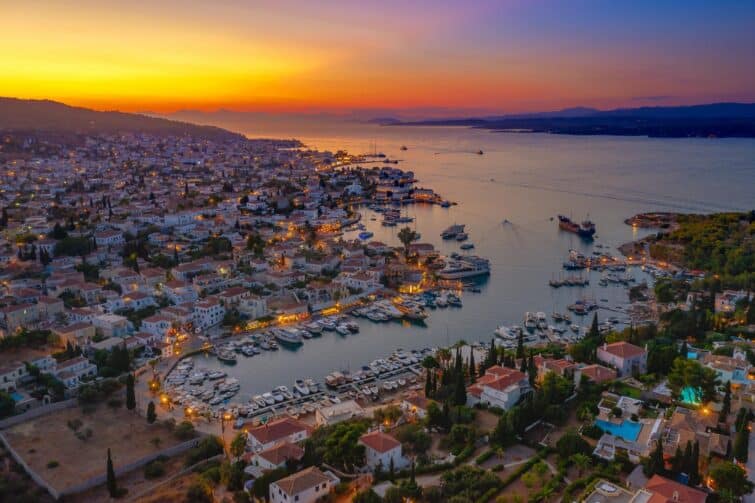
(626, 358)
(663, 490)
(305, 486)
(382, 450)
(277, 456)
(285, 429)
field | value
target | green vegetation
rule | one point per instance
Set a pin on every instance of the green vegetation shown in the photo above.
(721, 243)
(689, 378)
(546, 403)
(337, 445)
(208, 447)
(730, 481)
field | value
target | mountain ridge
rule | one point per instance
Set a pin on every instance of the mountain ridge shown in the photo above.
(53, 116)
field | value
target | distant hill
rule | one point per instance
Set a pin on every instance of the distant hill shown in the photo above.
(51, 116)
(715, 119)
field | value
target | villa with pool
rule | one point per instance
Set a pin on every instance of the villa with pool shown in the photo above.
(624, 430)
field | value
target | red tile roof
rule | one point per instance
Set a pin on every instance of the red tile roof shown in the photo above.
(379, 441)
(665, 490)
(599, 373)
(277, 430)
(623, 349)
(282, 453)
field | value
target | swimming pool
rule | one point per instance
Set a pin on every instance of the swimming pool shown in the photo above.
(628, 430)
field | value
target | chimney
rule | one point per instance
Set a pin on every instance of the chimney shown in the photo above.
(675, 496)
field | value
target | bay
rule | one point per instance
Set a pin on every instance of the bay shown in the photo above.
(526, 179)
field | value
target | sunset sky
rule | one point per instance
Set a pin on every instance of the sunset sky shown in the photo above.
(321, 55)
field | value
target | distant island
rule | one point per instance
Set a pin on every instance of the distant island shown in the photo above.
(710, 120)
(18, 115)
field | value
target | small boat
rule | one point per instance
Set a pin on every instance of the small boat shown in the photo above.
(301, 387)
(403, 147)
(343, 329)
(462, 236)
(466, 246)
(314, 328)
(365, 235)
(352, 326)
(480, 152)
(329, 325)
(226, 356)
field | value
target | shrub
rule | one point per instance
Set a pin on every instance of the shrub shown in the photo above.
(484, 456)
(207, 448)
(592, 431)
(52, 464)
(154, 469)
(184, 431)
(199, 492)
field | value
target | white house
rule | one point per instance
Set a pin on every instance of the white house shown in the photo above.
(306, 486)
(179, 291)
(253, 306)
(500, 387)
(109, 238)
(382, 450)
(268, 435)
(208, 313)
(277, 456)
(156, 324)
(336, 413)
(626, 358)
(70, 372)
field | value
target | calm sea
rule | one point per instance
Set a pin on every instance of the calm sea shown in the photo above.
(526, 179)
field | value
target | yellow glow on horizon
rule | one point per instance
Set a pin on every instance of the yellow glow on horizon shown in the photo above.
(84, 62)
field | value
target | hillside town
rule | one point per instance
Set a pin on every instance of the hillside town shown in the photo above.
(122, 256)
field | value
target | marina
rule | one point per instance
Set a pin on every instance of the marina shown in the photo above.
(524, 254)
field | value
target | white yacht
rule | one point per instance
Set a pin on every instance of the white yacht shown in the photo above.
(301, 388)
(465, 267)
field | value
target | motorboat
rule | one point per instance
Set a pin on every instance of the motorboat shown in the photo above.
(287, 336)
(343, 329)
(268, 398)
(301, 387)
(314, 328)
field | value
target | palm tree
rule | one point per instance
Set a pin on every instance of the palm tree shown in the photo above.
(444, 355)
(581, 461)
(407, 236)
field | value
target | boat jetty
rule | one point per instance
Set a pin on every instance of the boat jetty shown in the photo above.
(210, 393)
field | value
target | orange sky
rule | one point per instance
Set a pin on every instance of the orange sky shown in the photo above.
(297, 55)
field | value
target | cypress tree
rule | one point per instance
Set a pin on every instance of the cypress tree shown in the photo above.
(677, 464)
(460, 390)
(694, 476)
(130, 396)
(688, 462)
(520, 346)
(459, 363)
(594, 331)
(428, 383)
(472, 367)
(726, 405)
(532, 370)
(112, 486)
(151, 415)
(523, 365)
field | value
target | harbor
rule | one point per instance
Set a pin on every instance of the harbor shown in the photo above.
(524, 247)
